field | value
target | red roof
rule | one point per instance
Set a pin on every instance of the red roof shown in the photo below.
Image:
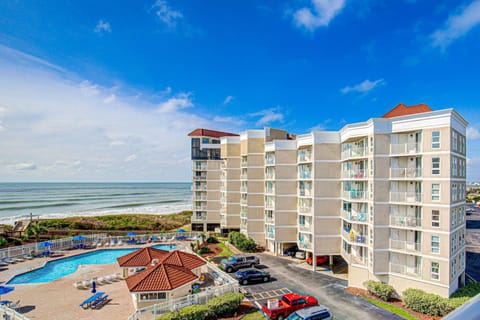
(210, 133)
(162, 277)
(182, 259)
(403, 110)
(142, 257)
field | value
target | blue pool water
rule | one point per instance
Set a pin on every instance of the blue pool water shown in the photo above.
(63, 267)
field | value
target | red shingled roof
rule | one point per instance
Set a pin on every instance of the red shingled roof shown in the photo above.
(403, 110)
(142, 257)
(210, 133)
(182, 259)
(162, 277)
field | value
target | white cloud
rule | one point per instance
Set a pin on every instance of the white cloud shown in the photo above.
(131, 157)
(166, 14)
(180, 101)
(111, 98)
(102, 27)
(473, 133)
(25, 166)
(268, 116)
(227, 100)
(320, 14)
(364, 86)
(63, 120)
(457, 25)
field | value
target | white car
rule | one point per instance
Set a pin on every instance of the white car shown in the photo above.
(300, 255)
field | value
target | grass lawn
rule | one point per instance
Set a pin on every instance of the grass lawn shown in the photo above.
(253, 315)
(225, 249)
(392, 308)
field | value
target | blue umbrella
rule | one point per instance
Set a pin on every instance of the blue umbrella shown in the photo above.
(77, 238)
(181, 230)
(131, 234)
(5, 289)
(45, 244)
(94, 285)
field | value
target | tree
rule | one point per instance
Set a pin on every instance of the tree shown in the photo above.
(36, 230)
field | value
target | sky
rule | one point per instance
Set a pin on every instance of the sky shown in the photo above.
(108, 91)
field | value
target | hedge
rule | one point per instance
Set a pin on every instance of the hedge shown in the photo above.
(379, 289)
(212, 240)
(240, 241)
(203, 250)
(428, 303)
(220, 307)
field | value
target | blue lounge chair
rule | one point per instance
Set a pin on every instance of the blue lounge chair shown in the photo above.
(87, 302)
(99, 302)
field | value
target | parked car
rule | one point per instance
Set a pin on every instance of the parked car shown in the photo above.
(291, 251)
(320, 260)
(300, 255)
(312, 313)
(252, 275)
(238, 261)
(289, 303)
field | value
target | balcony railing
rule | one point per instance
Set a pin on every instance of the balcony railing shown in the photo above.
(304, 209)
(270, 234)
(405, 221)
(244, 164)
(200, 198)
(405, 270)
(355, 237)
(354, 174)
(405, 148)
(243, 189)
(243, 214)
(244, 176)
(346, 255)
(243, 202)
(202, 167)
(269, 219)
(305, 245)
(199, 217)
(200, 207)
(305, 227)
(201, 177)
(305, 175)
(409, 197)
(270, 175)
(405, 172)
(269, 190)
(304, 156)
(269, 160)
(359, 216)
(270, 205)
(405, 245)
(354, 195)
(200, 187)
(305, 192)
(354, 153)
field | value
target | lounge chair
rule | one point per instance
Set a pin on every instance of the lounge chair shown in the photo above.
(102, 280)
(18, 259)
(3, 264)
(99, 302)
(79, 285)
(9, 260)
(112, 242)
(88, 302)
(120, 242)
(27, 256)
(15, 305)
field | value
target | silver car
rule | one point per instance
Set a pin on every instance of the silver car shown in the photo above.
(311, 313)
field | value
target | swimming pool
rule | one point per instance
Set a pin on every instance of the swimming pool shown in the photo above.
(65, 266)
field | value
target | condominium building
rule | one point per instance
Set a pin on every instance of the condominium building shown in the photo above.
(387, 195)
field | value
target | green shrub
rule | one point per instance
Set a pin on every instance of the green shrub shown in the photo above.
(203, 250)
(470, 290)
(194, 312)
(174, 315)
(379, 289)
(226, 305)
(427, 303)
(212, 240)
(240, 241)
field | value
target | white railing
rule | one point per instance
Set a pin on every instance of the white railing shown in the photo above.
(305, 175)
(305, 227)
(10, 314)
(200, 208)
(199, 218)
(354, 195)
(405, 221)
(270, 175)
(304, 209)
(359, 216)
(305, 192)
(199, 167)
(269, 160)
(200, 198)
(405, 148)
(304, 156)
(201, 177)
(243, 189)
(270, 191)
(354, 153)
(226, 284)
(354, 174)
(409, 197)
(200, 188)
(270, 205)
(403, 269)
(405, 245)
(405, 172)
(355, 237)
(306, 245)
(244, 164)
(244, 176)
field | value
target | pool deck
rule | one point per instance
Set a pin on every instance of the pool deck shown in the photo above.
(59, 299)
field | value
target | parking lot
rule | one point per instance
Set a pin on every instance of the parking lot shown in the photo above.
(288, 277)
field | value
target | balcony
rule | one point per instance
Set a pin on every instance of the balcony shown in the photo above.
(243, 214)
(244, 163)
(304, 245)
(270, 205)
(405, 270)
(304, 155)
(354, 195)
(200, 207)
(270, 175)
(200, 177)
(305, 228)
(270, 233)
(354, 174)
(269, 219)
(200, 198)
(244, 176)
(305, 175)
(346, 255)
(243, 189)
(304, 209)
(305, 192)
(408, 197)
(199, 218)
(202, 167)
(405, 173)
(405, 245)
(270, 160)
(355, 237)
(243, 202)
(269, 190)
(202, 187)
(405, 221)
(355, 152)
(405, 148)
(354, 216)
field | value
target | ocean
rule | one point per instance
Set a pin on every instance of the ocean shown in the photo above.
(55, 200)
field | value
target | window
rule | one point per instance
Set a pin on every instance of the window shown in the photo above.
(435, 271)
(435, 191)
(454, 141)
(301, 220)
(435, 244)
(453, 217)
(454, 166)
(454, 192)
(453, 246)
(435, 218)
(435, 139)
(153, 296)
(435, 165)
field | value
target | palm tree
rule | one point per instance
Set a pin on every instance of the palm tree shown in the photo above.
(36, 230)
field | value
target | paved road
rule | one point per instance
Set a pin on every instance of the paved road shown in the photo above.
(328, 290)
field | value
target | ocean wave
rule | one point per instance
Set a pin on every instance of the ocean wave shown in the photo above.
(139, 204)
(60, 204)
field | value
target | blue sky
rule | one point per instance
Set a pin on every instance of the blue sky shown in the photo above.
(96, 91)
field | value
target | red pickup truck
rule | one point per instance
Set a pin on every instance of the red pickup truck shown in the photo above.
(280, 309)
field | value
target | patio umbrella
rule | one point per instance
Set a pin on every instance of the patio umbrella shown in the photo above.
(131, 234)
(45, 244)
(5, 289)
(181, 230)
(94, 286)
(78, 238)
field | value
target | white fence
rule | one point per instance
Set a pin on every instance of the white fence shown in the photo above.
(229, 285)
(10, 314)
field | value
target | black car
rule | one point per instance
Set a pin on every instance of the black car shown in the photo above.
(252, 275)
(291, 251)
